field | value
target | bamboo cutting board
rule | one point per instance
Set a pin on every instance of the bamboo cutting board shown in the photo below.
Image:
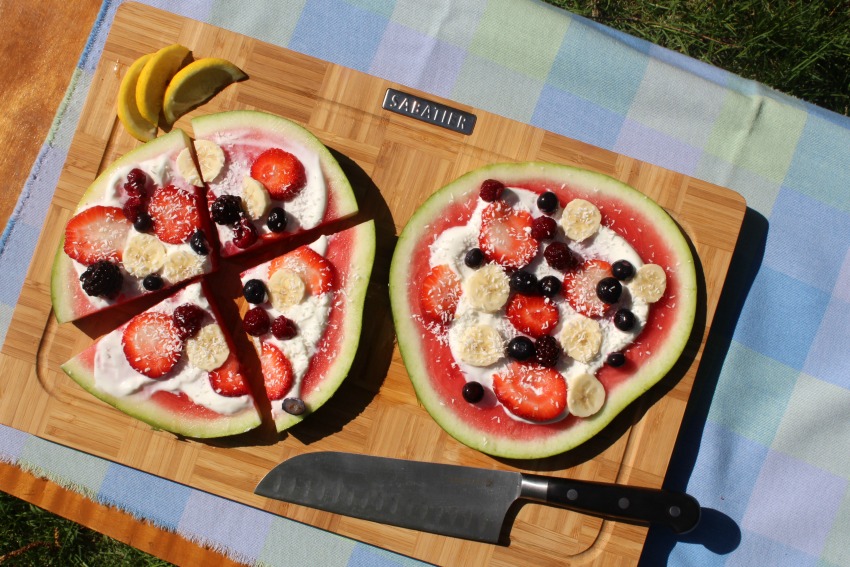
(394, 163)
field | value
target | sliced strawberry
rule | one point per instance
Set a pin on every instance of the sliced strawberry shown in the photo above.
(531, 392)
(440, 293)
(97, 233)
(280, 172)
(152, 344)
(534, 315)
(580, 287)
(314, 269)
(228, 380)
(174, 214)
(277, 371)
(505, 236)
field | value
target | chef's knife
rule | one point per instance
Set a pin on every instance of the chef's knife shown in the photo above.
(464, 502)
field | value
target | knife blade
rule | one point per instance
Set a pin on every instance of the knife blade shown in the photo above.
(464, 502)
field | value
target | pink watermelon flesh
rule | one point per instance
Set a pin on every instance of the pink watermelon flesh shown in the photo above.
(438, 382)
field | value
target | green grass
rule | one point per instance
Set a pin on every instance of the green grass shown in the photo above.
(798, 47)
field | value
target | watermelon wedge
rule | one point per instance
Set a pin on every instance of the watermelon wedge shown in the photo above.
(320, 289)
(201, 394)
(284, 180)
(524, 360)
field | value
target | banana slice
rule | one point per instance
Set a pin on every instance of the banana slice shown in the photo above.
(585, 395)
(208, 349)
(581, 219)
(255, 197)
(649, 283)
(210, 159)
(487, 289)
(480, 345)
(187, 170)
(286, 288)
(181, 265)
(581, 339)
(143, 255)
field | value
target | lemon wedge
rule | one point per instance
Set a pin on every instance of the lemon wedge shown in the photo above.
(196, 83)
(154, 78)
(128, 110)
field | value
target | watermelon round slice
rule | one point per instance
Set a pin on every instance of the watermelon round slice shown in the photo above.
(482, 421)
(104, 201)
(327, 314)
(259, 152)
(188, 400)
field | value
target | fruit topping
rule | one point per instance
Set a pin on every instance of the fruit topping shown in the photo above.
(487, 288)
(255, 198)
(210, 159)
(294, 406)
(439, 295)
(97, 233)
(284, 328)
(181, 265)
(286, 288)
(198, 243)
(277, 220)
(208, 349)
(256, 322)
(547, 351)
(544, 228)
(524, 282)
(281, 173)
(244, 233)
(649, 283)
(188, 318)
(559, 257)
(491, 190)
(133, 207)
(136, 182)
(277, 371)
(473, 392)
(581, 219)
(531, 392)
(547, 202)
(609, 289)
(254, 291)
(143, 222)
(314, 269)
(520, 348)
(480, 345)
(228, 380)
(622, 269)
(505, 235)
(624, 319)
(473, 258)
(581, 338)
(152, 344)
(174, 213)
(533, 315)
(226, 209)
(580, 287)
(586, 395)
(102, 279)
(549, 286)
(615, 359)
(143, 255)
(152, 282)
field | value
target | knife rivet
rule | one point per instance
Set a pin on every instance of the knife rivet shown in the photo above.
(623, 503)
(572, 494)
(674, 511)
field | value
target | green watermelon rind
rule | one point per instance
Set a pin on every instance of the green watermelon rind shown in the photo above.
(647, 376)
(62, 285)
(357, 284)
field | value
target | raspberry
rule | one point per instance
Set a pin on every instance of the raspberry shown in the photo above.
(244, 233)
(284, 328)
(188, 318)
(136, 181)
(491, 190)
(102, 279)
(256, 322)
(226, 209)
(559, 256)
(547, 350)
(543, 228)
(134, 207)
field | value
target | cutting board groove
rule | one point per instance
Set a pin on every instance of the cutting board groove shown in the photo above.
(395, 163)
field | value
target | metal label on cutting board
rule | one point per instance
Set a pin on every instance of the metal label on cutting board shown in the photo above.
(429, 111)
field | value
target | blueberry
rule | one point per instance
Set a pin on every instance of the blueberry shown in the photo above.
(549, 286)
(474, 258)
(198, 242)
(609, 290)
(143, 222)
(152, 282)
(520, 348)
(616, 359)
(624, 319)
(523, 282)
(277, 220)
(547, 202)
(254, 291)
(473, 392)
(294, 406)
(622, 269)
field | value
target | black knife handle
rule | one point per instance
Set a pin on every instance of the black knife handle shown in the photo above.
(679, 511)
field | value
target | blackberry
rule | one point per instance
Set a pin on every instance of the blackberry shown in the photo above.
(549, 286)
(198, 242)
(188, 318)
(523, 282)
(559, 256)
(277, 220)
(547, 351)
(491, 190)
(143, 222)
(473, 392)
(543, 228)
(254, 291)
(294, 406)
(256, 322)
(616, 359)
(474, 257)
(624, 319)
(547, 202)
(609, 290)
(520, 348)
(284, 328)
(226, 209)
(152, 282)
(102, 279)
(622, 269)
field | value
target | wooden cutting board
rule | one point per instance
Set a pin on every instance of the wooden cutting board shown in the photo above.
(395, 163)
